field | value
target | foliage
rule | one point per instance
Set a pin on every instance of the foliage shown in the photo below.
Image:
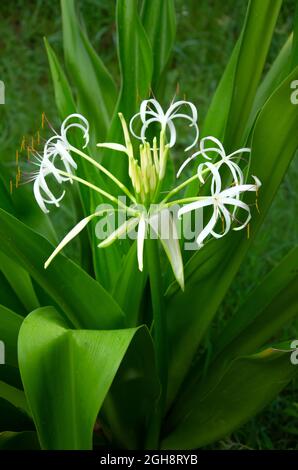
(91, 351)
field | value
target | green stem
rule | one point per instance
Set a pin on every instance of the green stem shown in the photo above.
(159, 337)
(105, 171)
(185, 200)
(98, 190)
(182, 185)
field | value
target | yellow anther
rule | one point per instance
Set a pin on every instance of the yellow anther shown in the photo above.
(23, 143)
(257, 206)
(38, 137)
(17, 157)
(10, 186)
(248, 231)
(42, 120)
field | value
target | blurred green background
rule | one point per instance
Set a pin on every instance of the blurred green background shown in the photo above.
(206, 33)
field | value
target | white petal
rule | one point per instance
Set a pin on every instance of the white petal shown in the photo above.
(144, 111)
(219, 147)
(113, 146)
(227, 218)
(171, 111)
(140, 241)
(208, 229)
(208, 201)
(240, 188)
(186, 162)
(124, 228)
(172, 133)
(164, 226)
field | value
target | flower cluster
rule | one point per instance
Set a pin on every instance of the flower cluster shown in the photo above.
(148, 207)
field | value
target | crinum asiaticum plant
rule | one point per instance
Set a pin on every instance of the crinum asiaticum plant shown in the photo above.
(114, 351)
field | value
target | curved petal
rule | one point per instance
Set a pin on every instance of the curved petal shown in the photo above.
(144, 111)
(208, 229)
(242, 205)
(227, 219)
(219, 147)
(208, 201)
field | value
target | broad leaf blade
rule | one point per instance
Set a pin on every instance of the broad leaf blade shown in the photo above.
(79, 296)
(72, 370)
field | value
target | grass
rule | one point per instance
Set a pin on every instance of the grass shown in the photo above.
(207, 31)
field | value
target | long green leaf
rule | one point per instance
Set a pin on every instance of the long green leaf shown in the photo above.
(247, 386)
(70, 370)
(136, 66)
(80, 297)
(63, 94)
(159, 20)
(270, 306)
(274, 143)
(95, 87)
(256, 36)
(20, 281)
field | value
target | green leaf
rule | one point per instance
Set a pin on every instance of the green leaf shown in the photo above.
(272, 304)
(63, 94)
(276, 74)
(8, 297)
(10, 324)
(14, 414)
(274, 143)
(26, 440)
(95, 87)
(81, 298)
(247, 386)
(233, 100)
(20, 281)
(159, 20)
(12, 418)
(71, 371)
(129, 286)
(5, 199)
(295, 40)
(66, 106)
(14, 396)
(136, 65)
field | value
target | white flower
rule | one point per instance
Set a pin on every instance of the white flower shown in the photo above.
(225, 159)
(151, 112)
(41, 190)
(162, 224)
(58, 145)
(56, 154)
(219, 200)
